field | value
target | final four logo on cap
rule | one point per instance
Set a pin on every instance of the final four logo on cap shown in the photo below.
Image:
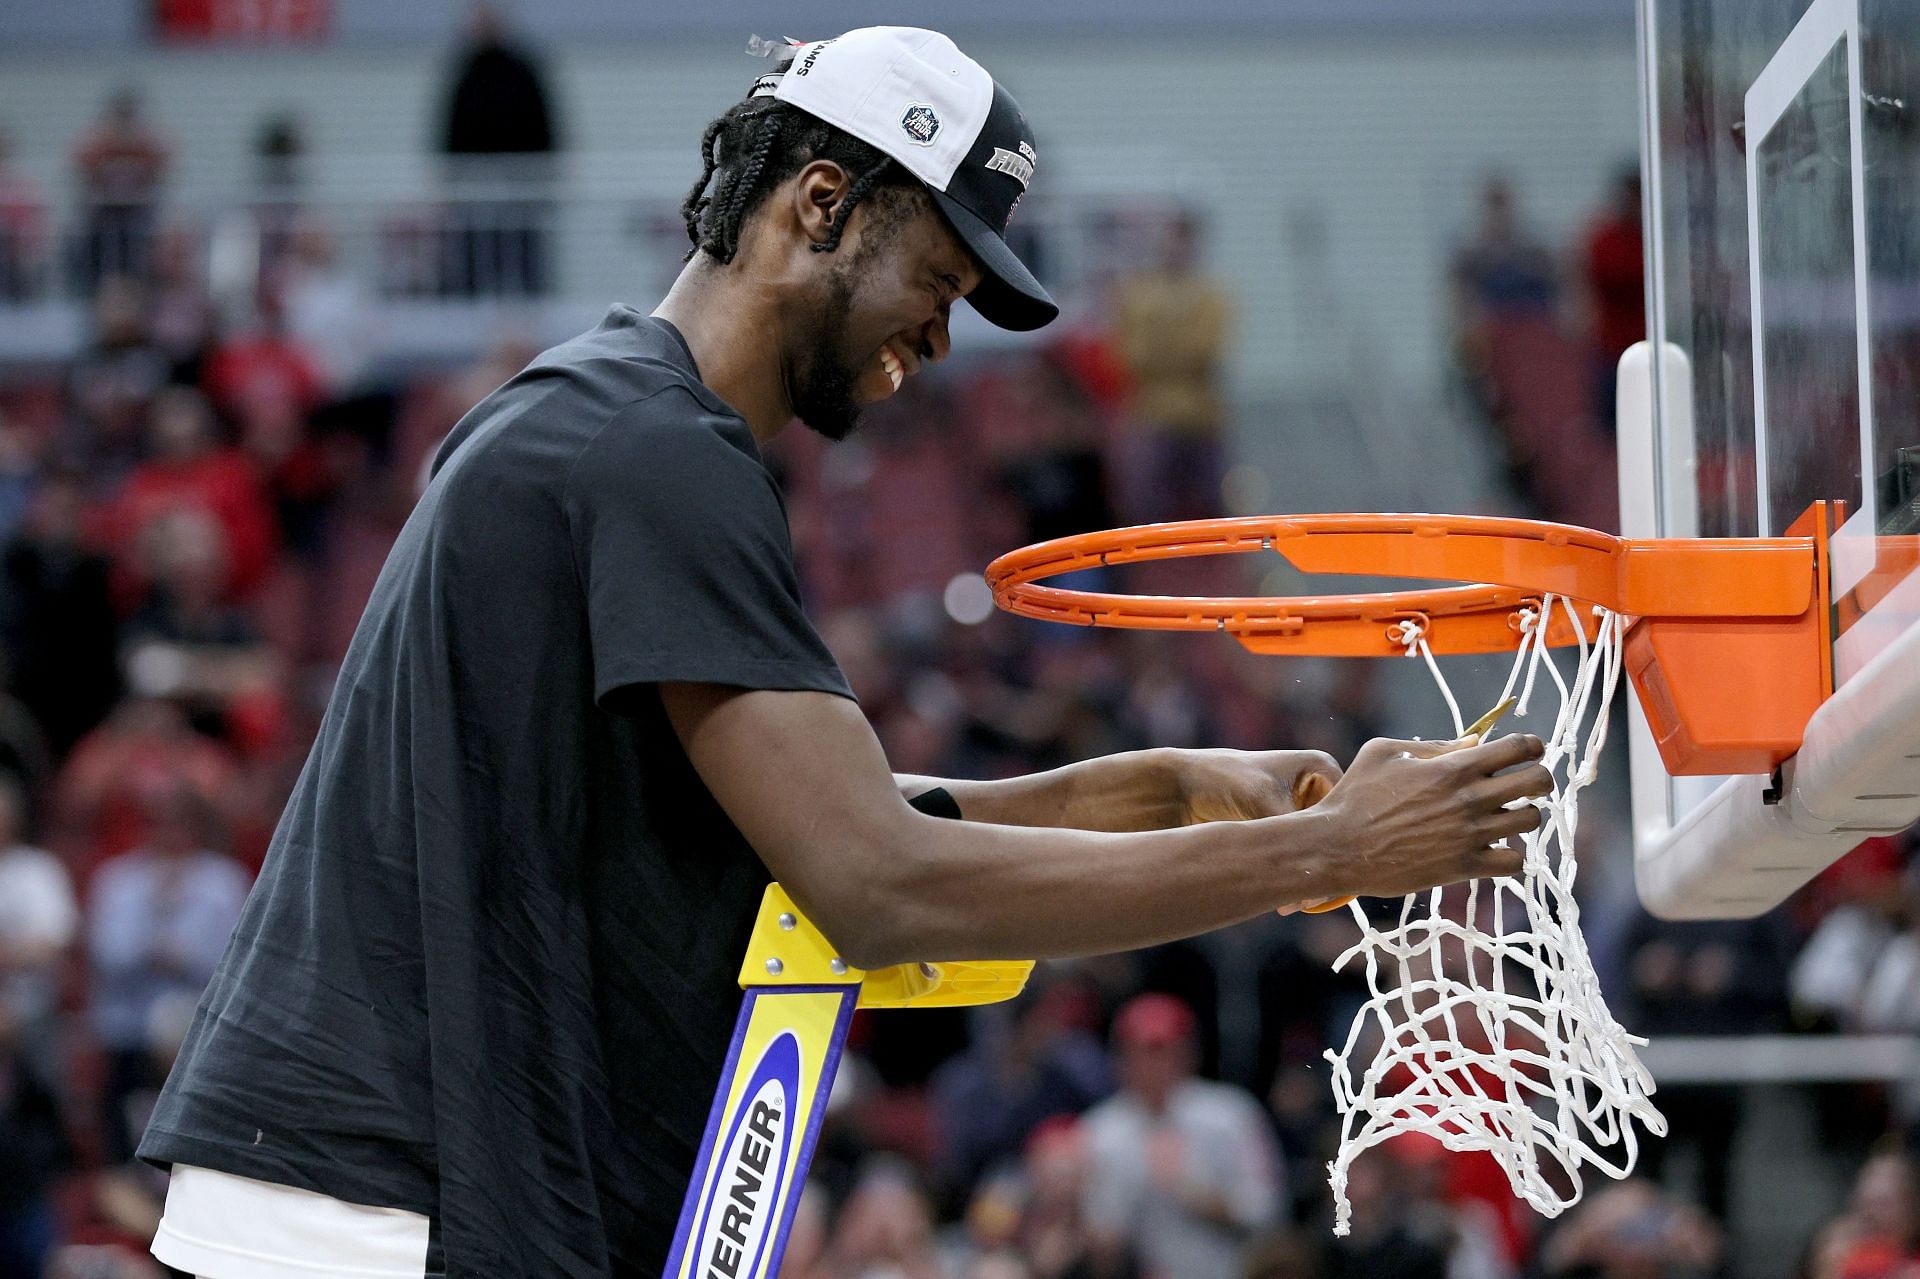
(921, 124)
(1018, 167)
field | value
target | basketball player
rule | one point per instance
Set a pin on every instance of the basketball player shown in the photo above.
(472, 1019)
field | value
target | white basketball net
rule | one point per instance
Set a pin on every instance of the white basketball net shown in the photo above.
(1485, 1027)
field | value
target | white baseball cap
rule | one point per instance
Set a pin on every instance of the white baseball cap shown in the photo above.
(914, 95)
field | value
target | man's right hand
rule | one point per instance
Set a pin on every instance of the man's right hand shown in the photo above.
(1415, 815)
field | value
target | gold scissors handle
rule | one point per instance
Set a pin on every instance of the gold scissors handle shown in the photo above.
(1314, 787)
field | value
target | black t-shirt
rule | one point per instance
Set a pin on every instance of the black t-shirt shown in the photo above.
(488, 972)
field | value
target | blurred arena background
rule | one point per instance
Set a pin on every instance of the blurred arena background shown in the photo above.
(258, 256)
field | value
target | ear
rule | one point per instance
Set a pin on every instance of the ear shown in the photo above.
(817, 194)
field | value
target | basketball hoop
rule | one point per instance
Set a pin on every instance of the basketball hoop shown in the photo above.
(1711, 620)
(1484, 1025)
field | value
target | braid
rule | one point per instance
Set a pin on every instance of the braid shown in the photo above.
(743, 185)
(758, 144)
(696, 202)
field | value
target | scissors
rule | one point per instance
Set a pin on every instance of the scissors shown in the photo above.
(1314, 787)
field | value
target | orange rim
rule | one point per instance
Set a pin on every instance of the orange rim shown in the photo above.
(1510, 563)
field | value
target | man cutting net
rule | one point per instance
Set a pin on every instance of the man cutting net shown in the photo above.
(472, 1019)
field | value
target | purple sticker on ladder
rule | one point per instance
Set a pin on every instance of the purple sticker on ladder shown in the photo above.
(738, 1217)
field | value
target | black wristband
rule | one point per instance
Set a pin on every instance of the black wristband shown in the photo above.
(936, 803)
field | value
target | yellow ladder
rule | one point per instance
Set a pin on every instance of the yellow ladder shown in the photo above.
(800, 999)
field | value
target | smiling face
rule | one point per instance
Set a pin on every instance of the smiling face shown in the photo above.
(880, 307)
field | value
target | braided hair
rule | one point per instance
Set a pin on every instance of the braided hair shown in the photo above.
(760, 143)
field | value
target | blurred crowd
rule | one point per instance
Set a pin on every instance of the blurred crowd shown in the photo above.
(498, 133)
(1538, 332)
(192, 508)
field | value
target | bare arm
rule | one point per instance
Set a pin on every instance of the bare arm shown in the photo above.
(1134, 791)
(1140, 790)
(804, 779)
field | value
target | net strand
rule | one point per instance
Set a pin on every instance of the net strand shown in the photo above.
(1484, 1026)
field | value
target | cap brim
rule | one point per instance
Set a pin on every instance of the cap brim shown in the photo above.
(1007, 295)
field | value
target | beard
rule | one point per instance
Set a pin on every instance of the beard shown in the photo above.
(826, 386)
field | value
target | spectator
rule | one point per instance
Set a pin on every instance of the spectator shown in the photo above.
(279, 153)
(1614, 267)
(25, 759)
(268, 385)
(1526, 376)
(1023, 1070)
(993, 1216)
(104, 797)
(1440, 1186)
(1882, 1222)
(58, 617)
(1172, 323)
(121, 163)
(1053, 1232)
(1304, 1006)
(1890, 995)
(1724, 977)
(807, 1237)
(19, 473)
(1500, 272)
(499, 131)
(331, 316)
(1633, 1231)
(1060, 478)
(181, 319)
(127, 1199)
(328, 311)
(156, 928)
(1834, 1252)
(280, 179)
(498, 103)
(1183, 1170)
(1829, 977)
(185, 641)
(1395, 1236)
(111, 384)
(264, 368)
(183, 556)
(1869, 876)
(192, 472)
(1503, 269)
(33, 1152)
(886, 1229)
(23, 231)
(38, 921)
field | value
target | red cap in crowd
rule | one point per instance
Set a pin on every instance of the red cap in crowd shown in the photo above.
(1153, 1021)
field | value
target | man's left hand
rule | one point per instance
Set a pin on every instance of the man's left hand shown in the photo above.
(1237, 786)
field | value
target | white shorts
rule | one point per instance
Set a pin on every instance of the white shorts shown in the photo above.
(219, 1226)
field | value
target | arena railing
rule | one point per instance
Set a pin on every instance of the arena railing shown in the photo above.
(450, 254)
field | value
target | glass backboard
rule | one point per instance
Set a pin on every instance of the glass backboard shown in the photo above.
(1782, 156)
